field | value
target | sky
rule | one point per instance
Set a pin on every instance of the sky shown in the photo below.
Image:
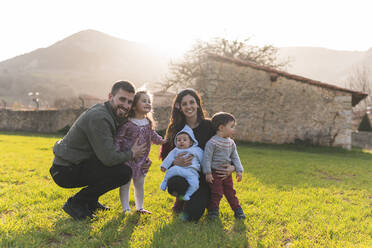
(173, 26)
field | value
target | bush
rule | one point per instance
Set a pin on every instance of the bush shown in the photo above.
(365, 124)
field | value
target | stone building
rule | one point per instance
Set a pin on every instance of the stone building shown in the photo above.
(273, 106)
(162, 98)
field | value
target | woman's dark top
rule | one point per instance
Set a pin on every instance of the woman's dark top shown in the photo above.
(195, 207)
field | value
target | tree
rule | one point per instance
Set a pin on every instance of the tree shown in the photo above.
(360, 80)
(365, 124)
(184, 73)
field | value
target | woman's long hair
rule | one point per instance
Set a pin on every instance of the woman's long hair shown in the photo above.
(148, 116)
(178, 120)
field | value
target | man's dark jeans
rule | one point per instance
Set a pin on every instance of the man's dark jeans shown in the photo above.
(96, 178)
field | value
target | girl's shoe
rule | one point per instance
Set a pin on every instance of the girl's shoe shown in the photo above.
(143, 211)
(239, 214)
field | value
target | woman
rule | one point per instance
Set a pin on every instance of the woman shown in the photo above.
(187, 109)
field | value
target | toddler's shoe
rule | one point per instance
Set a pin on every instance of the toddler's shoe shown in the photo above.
(213, 214)
(239, 214)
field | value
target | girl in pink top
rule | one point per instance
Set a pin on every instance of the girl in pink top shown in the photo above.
(140, 125)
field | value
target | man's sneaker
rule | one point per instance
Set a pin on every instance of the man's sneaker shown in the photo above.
(97, 206)
(239, 214)
(213, 214)
(76, 209)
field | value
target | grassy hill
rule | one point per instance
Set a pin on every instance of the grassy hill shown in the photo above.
(293, 196)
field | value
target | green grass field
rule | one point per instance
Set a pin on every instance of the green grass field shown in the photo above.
(292, 197)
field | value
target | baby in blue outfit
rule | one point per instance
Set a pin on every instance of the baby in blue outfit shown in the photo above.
(185, 142)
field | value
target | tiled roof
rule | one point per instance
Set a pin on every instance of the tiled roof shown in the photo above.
(357, 96)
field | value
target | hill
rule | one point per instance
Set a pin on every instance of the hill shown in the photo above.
(323, 64)
(87, 62)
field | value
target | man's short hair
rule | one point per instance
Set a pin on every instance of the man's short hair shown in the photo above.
(124, 85)
(221, 118)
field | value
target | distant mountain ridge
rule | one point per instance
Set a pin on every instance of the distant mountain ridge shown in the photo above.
(326, 65)
(89, 61)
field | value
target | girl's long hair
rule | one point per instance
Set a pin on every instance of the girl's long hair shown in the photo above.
(148, 116)
(177, 120)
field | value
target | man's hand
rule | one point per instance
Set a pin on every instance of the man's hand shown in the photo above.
(183, 161)
(209, 178)
(138, 150)
(239, 176)
(146, 166)
(163, 169)
(225, 171)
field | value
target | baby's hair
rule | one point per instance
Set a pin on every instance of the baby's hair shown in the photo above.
(221, 118)
(188, 135)
(135, 101)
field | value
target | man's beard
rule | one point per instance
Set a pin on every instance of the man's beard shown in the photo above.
(120, 113)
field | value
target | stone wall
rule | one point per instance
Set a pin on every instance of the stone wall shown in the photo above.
(51, 121)
(277, 109)
(268, 108)
(362, 140)
(40, 121)
(161, 116)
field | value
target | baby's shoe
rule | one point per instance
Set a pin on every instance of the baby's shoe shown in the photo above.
(186, 198)
(213, 214)
(239, 214)
(163, 186)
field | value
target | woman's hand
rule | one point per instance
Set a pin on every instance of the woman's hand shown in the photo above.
(209, 178)
(239, 176)
(146, 166)
(225, 171)
(182, 161)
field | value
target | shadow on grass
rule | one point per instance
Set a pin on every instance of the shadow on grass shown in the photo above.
(200, 234)
(67, 232)
(288, 166)
(31, 134)
(358, 152)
